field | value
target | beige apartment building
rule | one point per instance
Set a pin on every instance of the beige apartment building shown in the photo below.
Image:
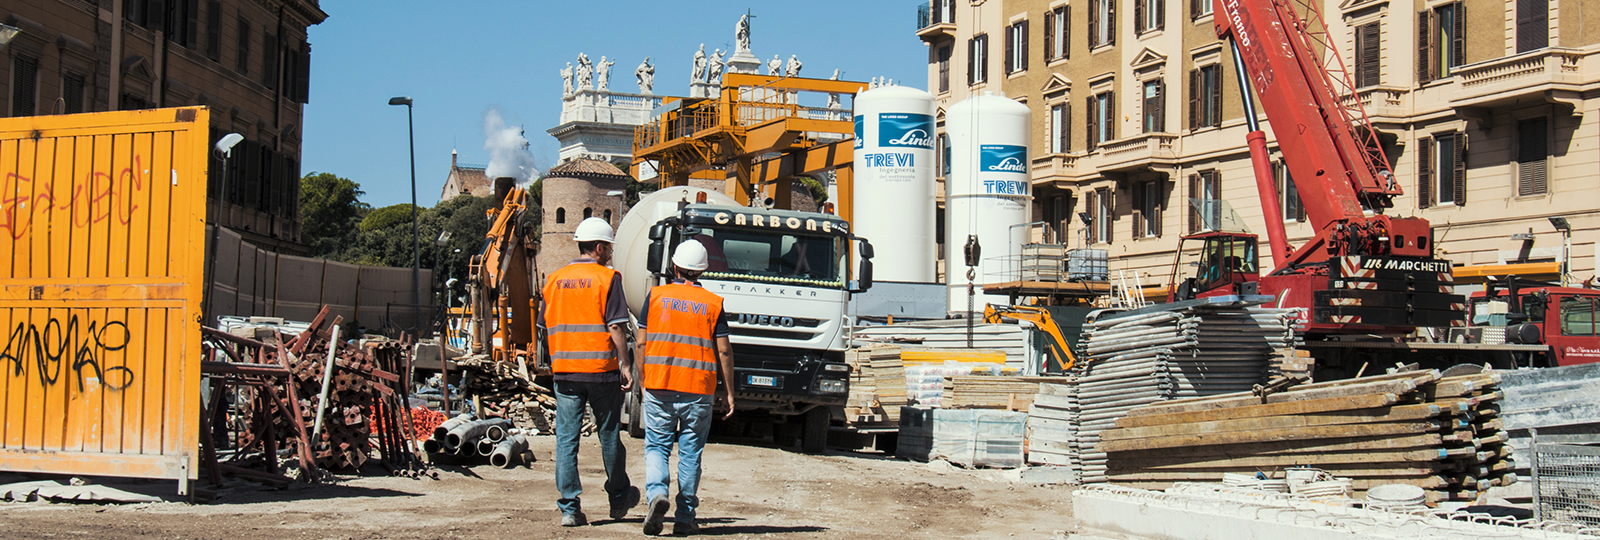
(1486, 110)
(248, 60)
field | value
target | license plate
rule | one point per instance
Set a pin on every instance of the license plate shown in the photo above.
(761, 380)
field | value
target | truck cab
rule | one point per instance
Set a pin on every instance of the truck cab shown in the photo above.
(1229, 265)
(1535, 313)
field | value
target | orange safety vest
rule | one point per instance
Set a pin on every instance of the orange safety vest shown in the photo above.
(574, 319)
(680, 353)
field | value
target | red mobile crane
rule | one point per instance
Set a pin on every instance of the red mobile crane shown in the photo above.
(1363, 273)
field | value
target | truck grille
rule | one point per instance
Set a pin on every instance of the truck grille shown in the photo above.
(773, 334)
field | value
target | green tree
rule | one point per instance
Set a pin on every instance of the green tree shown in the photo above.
(330, 209)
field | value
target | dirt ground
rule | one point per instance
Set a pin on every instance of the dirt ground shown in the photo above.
(749, 489)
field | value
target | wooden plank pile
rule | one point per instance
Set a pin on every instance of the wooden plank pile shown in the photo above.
(1438, 433)
(992, 392)
(877, 384)
(1053, 427)
(1137, 358)
(503, 390)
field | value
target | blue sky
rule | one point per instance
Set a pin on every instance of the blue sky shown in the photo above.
(459, 59)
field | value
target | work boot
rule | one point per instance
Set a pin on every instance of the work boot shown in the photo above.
(685, 528)
(575, 519)
(657, 515)
(619, 509)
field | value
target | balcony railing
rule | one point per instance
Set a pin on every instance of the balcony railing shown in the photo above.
(934, 19)
(1141, 149)
(1494, 81)
(1054, 165)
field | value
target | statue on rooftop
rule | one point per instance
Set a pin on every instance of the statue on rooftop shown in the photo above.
(646, 73)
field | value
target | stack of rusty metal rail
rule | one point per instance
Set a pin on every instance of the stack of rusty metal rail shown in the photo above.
(280, 380)
(1417, 428)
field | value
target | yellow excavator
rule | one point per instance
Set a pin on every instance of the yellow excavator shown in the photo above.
(1040, 317)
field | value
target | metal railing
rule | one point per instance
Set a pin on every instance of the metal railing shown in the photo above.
(1566, 484)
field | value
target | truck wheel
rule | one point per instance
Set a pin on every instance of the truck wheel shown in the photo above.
(635, 407)
(815, 435)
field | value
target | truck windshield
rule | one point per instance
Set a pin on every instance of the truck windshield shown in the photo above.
(773, 257)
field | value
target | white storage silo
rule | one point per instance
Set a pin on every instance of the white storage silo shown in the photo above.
(894, 186)
(986, 193)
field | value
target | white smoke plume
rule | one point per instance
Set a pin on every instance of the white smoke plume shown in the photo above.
(508, 150)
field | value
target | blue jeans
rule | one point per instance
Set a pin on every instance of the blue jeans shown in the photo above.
(606, 401)
(675, 417)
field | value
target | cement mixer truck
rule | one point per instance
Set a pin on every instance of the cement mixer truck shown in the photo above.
(786, 278)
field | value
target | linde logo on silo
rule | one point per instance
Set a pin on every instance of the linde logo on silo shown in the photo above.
(905, 130)
(1005, 158)
(858, 132)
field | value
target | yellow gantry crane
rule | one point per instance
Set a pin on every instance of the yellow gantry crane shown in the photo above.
(756, 129)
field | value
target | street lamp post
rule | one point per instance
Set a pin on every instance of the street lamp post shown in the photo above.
(1561, 224)
(416, 245)
(224, 146)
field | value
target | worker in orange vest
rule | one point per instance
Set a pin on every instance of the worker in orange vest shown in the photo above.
(685, 346)
(584, 314)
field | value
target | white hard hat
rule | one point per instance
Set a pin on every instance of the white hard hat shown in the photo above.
(691, 255)
(592, 229)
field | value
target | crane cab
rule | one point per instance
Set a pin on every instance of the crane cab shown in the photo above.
(1229, 264)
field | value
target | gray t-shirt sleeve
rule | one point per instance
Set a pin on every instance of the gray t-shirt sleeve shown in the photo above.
(644, 314)
(722, 329)
(616, 303)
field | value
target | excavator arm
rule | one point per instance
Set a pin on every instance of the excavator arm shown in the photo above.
(1040, 317)
(500, 280)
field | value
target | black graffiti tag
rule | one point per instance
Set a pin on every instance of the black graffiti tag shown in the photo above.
(52, 348)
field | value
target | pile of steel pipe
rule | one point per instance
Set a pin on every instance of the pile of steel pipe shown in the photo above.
(464, 440)
(1140, 359)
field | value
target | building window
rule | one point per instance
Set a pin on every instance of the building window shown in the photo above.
(24, 85)
(1442, 170)
(1205, 201)
(1532, 157)
(1102, 120)
(1149, 15)
(1099, 204)
(242, 63)
(588, 213)
(944, 11)
(1155, 106)
(1205, 97)
(1199, 8)
(944, 68)
(131, 102)
(978, 59)
(1147, 209)
(1017, 47)
(944, 162)
(214, 30)
(1441, 37)
(183, 21)
(1369, 54)
(72, 92)
(1288, 195)
(1056, 24)
(607, 216)
(1102, 22)
(269, 57)
(561, 215)
(1533, 25)
(1060, 127)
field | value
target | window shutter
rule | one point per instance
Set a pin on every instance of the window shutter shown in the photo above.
(1160, 206)
(1216, 94)
(1138, 214)
(1111, 22)
(1194, 99)
(1111, 116)
(214, 30)
(983, 63)
(1370, 55)
(1138, 16)
(1194, 8)
(302, 76)
(1024, 43)
(192, 24)
(1049, 35)
(1532, 151)
(155, 17)
(269, 60)
(1194, 195)
(25, 74)
(1066, 126)
(1011, 39)
(1425, 172)
(1161, 105)
(1161, 14)
(1065, 20)
(1089, 114)
(1094, 22)
(1092, 204)
(72, 92)
(972, 48)
(1458, 54)
(1533, 25)
(1110, 203)
(1459, 168)
(1425, 46)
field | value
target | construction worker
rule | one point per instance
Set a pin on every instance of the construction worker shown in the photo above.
(682, 322)
(584, 314)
